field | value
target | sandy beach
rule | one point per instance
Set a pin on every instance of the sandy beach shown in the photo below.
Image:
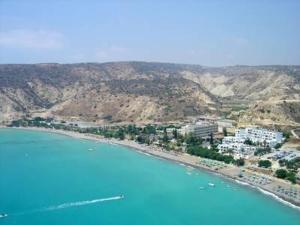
(279, 189)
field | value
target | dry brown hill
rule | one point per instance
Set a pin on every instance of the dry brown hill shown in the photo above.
(148, 92)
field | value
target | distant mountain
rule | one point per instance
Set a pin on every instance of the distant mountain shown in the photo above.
(144, 92)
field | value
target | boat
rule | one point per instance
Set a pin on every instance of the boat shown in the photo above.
(2, 215)
(201, 188)
(211, 184)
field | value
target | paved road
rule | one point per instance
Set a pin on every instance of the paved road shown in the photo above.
(294, 134)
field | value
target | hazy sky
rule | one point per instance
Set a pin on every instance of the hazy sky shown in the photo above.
(212, 33)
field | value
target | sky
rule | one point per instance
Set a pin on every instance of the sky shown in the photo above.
(210, 33)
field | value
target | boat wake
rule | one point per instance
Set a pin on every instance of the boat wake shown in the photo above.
(81, 203)
(69, 205)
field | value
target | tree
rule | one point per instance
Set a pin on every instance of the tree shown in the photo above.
(120, 134)
(240, 162)
(175, 133)
(149, 129)
(292, 164)
(278, 145)
(265, 143)
(281, 173)
(141, 139)
(225, 131)
(207, 153)
(291, 176)
(132, 129)
(165, 138)
(288, 175)
(262, 151)
(192, 140)
(211, 140)
(286, 135)
(248, 142)
(265, 163)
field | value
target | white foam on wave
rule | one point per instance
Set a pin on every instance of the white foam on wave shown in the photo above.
(279, 199)
(145, 153)
(270, 194)
(242, 183)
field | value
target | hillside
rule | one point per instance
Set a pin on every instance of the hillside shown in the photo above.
(144, 92)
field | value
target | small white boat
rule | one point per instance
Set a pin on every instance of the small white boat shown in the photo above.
(2, 215)
(211, 184)
(90, 149)
(201, 188)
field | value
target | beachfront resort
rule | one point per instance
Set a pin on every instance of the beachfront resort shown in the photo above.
(247, 140)
(258, 149)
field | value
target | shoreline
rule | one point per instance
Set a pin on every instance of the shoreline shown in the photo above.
(229, 172)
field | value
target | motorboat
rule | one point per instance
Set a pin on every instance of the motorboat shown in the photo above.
(2, 215)
(211, 184)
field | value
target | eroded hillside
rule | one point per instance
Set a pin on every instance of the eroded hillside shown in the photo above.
(148, 92)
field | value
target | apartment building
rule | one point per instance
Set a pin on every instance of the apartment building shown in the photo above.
(200, 129)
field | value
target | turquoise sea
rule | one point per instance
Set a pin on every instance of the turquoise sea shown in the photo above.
(52, 179)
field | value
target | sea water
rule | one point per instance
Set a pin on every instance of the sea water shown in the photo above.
(52, 179)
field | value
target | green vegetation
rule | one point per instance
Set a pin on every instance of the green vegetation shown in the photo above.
(249, 142)
(142, 139)
(278, 146)
(262, 151)
(292, 164)
(291, 176)
(286, 135)
(192, 140)
(281, 173)
(210, 154)
(285, 174)
(36, 122)
(225, 132)
(240, 162)
(148, 134)
(265, 163)
(149, 129)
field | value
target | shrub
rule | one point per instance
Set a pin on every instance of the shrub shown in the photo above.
(265, 163)
(281, 173)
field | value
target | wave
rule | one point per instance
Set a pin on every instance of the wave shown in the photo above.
(243, 183)
(279, 199)
(145, 153)
(276, 197)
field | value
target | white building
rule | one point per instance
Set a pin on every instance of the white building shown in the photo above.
(233, 139)
(239, 149)
(256, 135)
(200, 129)
(260, 136)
